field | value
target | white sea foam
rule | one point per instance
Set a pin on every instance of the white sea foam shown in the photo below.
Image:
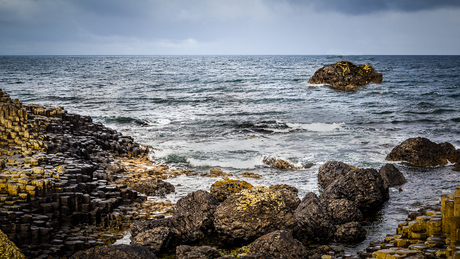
(317, 127)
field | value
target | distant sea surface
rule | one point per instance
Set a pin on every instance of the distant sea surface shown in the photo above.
(203, 112)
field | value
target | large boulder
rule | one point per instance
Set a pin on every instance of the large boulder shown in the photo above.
(223, 189)
(289, 193)
(155, 239)
(279, 244)
(391, 176)
(152, 188)
(365, 187)
(251, 213)
(331, 171)
(351, 232)
(343, 211)
(196, 252)
(313, 220)
(422, 152)
(115, 251)
(346, 76)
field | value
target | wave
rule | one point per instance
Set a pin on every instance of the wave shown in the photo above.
(125, 120)
(270, 127)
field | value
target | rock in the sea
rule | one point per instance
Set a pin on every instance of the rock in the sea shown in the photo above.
(350, 232)
(331, 171)
(391, 176)
(346, 76)
(279, 244)
(365, 187)
(115, 251)
(278, 163)
(421, 152)
(8, 249)
(223, 189)
(343, 211)
(196, 252)
(152, 188)
(313, 220)
(251, 213)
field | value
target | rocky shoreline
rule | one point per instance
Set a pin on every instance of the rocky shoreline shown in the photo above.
(70, 186)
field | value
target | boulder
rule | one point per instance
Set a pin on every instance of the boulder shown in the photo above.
(346, 76)
(331, 171)
(196, 252)
(279, 244)
(289, 193)
(351, 232)
(313, 220)
(365, 187)
(156, 239)
(421, 152)
(391, 176)
(152, 188)
(343, 211)
(251, 213)
(222, 189)
(115, 251)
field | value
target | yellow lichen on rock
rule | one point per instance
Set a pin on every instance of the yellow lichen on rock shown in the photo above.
(8, 250)
(222, 189)
(259, 194)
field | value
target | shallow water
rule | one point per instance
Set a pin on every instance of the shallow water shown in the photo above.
(201, 112)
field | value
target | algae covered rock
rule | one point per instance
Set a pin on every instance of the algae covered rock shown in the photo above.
(115, 251)
(350, 232)
(8, 249)
(331, 171)
(421, 152)
(391, 175)
(279, 244)
(346, 76)
(251, 213)
(365, 187)
(289, 193)
(222, 189)
(152, 188)
(343, 211)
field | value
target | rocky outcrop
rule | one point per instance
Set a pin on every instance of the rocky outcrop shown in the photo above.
(196, 252)
(350, 232)
(331, 171)
(222, 189)
(391, 176)
(157, 239)
(423, 152)
(279, 244)
(346, 76)
(313, 220)
(115, 251)
(156, 187)
(290, 194)
(279, 164)
(251, 213)
(343, 211)
(8, 249)
(365, 187)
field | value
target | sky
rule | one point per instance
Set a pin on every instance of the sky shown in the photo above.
(230, 27)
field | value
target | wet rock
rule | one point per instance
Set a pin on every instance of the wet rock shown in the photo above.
(251, 175)
(8, 249)
(365, 187)
(278, 163)
(216, 172)
(351, 232)
(196, 252)
(313, 220)
(278, 244)
(222, 189)
(391, 176)
(152, 188)
(115, 251)
(156, 239)
(251, 213)
(343, 211)
(346, 76)
(420, 152)
(331, 171)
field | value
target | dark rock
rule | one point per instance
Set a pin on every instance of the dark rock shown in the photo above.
(249, 214)
(420, 152)
(365, 187)
(343, 211)
(223, 189)
(156, 239)
(391, 176)
(313, 220)
(346, 76)
(152, 188)
(350, 232)
(278, 244)
(331, 171)
(115, 251)
(290, 195)
(196, 252)
(457, 167)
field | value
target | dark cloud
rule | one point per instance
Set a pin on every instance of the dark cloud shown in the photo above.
(358, 7)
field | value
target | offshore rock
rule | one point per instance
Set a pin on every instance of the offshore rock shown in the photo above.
(156, 187)
(279, 244)
(350, 232)
(331, 171)
(196, 252)
(115, 251)
(343, 211)
(365, 187)
(422, 152)
(391, 176)
(8, 249)
(223, 189)
(313, 220)
(251, 213)
(346, 76)
(279, 164)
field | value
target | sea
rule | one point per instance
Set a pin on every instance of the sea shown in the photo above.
(229, 112)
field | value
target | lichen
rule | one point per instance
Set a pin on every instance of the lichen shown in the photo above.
(250, 198)
(8, 249)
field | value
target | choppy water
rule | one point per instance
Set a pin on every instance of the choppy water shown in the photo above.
(201, 112)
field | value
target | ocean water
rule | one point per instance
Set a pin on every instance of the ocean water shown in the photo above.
(229, 112)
